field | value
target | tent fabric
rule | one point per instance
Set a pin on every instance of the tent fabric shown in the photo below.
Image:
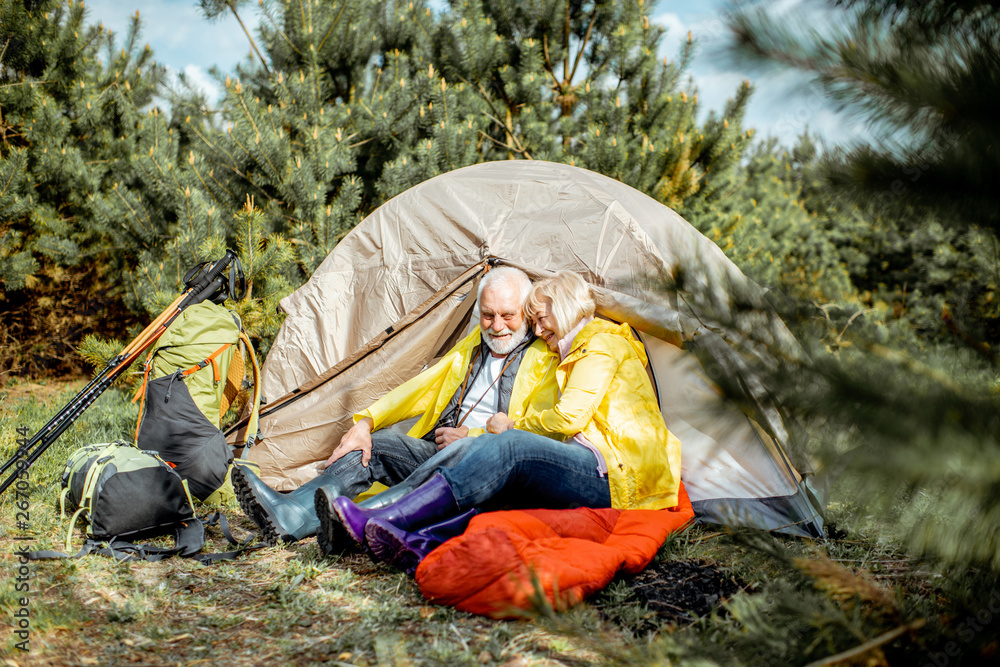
(508, 562)
(399, 290)
(537, 214)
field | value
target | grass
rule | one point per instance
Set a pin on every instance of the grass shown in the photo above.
(802, 600)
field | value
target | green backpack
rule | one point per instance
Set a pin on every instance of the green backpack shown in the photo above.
(192, 376)
(124, 494)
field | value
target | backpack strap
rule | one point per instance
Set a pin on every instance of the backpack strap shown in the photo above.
(189, 538)
(241, 547)
(62, 502)
(72, 524)
(252, 425)
(210, 359)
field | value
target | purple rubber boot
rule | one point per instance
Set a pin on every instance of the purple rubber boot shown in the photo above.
(404, 550)
(430, 502)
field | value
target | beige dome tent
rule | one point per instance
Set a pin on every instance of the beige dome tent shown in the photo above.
(395, 294)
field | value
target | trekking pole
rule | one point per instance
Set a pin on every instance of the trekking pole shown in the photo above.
(206, 281)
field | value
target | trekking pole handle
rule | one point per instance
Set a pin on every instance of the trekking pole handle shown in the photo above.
(211, 280)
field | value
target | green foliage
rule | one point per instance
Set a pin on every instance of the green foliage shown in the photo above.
(583, 83)
(924, 76)
(266, 263)
(761, 223)
(71, 108)
(69, 95)
(908, 435)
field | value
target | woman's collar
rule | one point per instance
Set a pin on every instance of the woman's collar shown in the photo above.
(565, 344)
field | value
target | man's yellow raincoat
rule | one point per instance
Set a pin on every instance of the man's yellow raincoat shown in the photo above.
(608, 398)
(428, 393)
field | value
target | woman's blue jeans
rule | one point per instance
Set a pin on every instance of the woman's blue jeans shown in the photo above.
(523, 470)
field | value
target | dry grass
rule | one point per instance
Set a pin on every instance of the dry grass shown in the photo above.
(288, 605)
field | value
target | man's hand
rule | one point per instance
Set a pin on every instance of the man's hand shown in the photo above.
(446, 435)
(499, 423)
(358, 437)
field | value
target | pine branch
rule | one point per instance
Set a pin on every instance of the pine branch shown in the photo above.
(862, 649)
(333, 25)
(253, 44)
(280, 31)
(548, 63)
(583, 44)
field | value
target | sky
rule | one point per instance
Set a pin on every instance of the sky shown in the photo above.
(784, 104)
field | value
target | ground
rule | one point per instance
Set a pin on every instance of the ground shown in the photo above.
(711, 596)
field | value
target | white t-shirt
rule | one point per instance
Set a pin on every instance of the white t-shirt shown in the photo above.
(490, 403)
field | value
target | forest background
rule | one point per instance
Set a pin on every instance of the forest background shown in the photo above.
(883, 257)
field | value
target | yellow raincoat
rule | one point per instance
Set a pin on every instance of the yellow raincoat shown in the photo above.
(429, 392)
(608, 398)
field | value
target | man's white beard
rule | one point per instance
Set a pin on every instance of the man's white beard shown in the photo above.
(504, 347)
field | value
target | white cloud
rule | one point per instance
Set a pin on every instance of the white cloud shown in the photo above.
(676, 33)
(715, 88)
(178, 33)
(784, 102)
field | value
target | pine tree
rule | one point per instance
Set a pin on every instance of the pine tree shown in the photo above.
(341, 119)
(349, 112)
(924, 76)
(758, 218)
(583, 83)
(170, 206)
(936, 279)
(69, 98)
(915, 422)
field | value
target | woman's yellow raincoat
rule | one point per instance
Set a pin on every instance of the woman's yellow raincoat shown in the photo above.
(606, 396)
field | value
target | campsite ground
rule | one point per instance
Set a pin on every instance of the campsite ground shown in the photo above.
(796, 601)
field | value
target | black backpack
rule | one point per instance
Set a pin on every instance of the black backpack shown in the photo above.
(125, 494)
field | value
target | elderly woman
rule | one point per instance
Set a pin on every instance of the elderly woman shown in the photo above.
(604, 443)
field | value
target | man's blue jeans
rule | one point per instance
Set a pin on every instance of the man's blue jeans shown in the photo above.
(524, 470)
(395, 457)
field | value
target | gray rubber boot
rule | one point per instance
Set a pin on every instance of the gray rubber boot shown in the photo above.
(282, 517)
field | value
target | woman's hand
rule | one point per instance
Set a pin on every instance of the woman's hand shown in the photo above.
(499, 423)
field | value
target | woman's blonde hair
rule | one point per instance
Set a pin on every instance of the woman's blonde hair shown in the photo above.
(569, 297)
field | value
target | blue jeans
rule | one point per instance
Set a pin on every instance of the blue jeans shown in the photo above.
(524, 470)
(447, 457)
(394, 456)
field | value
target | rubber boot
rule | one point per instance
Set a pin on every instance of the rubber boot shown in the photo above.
(332, 539)
(404, 550)
(428, 503)
(281, 517)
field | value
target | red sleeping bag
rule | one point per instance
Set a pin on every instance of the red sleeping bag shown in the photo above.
(569, 554)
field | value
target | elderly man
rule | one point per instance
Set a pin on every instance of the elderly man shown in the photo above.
(453, 399)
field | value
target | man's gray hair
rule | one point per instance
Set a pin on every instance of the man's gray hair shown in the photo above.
(505, 274)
